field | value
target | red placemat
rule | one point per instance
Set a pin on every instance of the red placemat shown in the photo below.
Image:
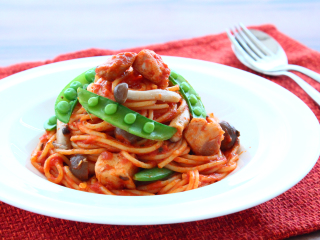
(294, 212)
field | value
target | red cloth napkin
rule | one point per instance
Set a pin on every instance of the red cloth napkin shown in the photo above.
(294, 212)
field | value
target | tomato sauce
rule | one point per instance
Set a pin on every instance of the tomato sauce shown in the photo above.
(96, 187)
(106, 155)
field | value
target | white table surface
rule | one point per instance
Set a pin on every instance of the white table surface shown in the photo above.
(39, 30)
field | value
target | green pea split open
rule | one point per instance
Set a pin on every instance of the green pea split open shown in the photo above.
(67, 99)
(125, 118)
(193, 100)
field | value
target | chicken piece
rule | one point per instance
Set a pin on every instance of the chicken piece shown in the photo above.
(115, 171)
(150, 65)
(115, 66)
(180, 122)
(204, 137)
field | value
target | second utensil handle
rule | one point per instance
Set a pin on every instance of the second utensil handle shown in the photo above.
(305, 71)
(312, 92)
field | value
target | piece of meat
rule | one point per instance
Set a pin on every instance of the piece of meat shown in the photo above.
(115, 171)
(204, 137)
(150, 65)
(115, 66)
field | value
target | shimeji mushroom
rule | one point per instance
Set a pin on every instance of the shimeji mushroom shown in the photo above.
(122, 93)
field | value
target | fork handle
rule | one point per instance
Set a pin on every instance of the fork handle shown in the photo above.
(313, 93)
(305, 71)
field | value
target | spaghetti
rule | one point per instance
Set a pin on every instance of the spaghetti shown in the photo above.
(196, 158)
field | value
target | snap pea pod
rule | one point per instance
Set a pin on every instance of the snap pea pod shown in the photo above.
(152, 174)
(123, 117)
(192, 98)
(67, 99)
(50, 124)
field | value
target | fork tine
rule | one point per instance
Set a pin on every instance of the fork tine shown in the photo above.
(256, 41)
(239, 48)
(251, 45)
(244, 45)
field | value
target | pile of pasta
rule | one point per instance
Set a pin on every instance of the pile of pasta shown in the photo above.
(94, 138)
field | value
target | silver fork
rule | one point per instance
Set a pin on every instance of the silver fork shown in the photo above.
(268, 53)
(258, 57)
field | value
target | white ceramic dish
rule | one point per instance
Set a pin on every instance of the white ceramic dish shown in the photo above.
(280, 139)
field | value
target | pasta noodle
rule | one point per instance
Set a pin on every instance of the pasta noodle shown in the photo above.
(106, 154)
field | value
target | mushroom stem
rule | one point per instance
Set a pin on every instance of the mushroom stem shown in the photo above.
(63, 135)
(157, 94)
(180, 122)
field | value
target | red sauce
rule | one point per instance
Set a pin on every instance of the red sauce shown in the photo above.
(54, 160)
(134, 83)
(107, 167)
(103, 88)
(106, 155)
(44, 137)
(161, 150)
(89, 140)
(123, 160)
(96, 187)
(39, 153)
(160, 112)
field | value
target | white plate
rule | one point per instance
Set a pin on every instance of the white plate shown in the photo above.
(280, 139)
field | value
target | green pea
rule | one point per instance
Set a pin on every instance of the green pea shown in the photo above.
(52, 120)
(185, 86)
(130, 118)
(148, 127)
(174, 75)
(193, 99)
(63, 107)
(70, 94)
(93, 101)
(85, 86)
(75, 85)
(197, 111)
(48, 126)
(90, 75)
(111, 108)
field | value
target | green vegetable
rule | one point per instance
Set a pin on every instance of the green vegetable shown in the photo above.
(152, 174)
(66, 101)
(51, 123)
(111, 108)
(75, 85)
(70, 94)
(197, 111)
(93, 101)
(90, 74)
(185, 86)
(85, 86)
(130, 118)
(193, 100)
(160, 131)
(53, 120)
(148, 127)
(63, 107)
